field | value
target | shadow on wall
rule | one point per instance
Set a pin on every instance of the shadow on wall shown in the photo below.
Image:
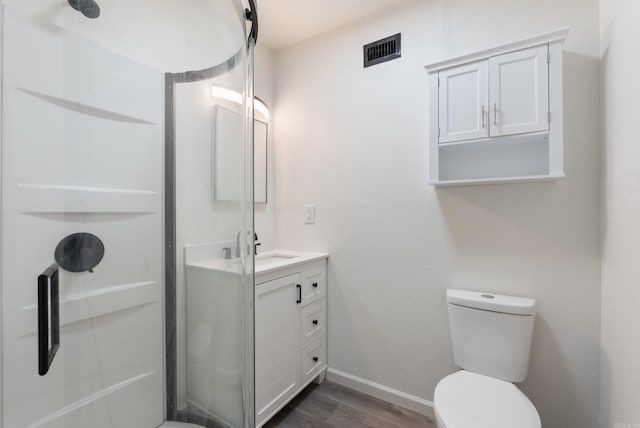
(605, 39)
(542, 240)
(605, 365)
(553, 383)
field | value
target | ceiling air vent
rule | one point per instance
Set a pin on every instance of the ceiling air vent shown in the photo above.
(382, 50)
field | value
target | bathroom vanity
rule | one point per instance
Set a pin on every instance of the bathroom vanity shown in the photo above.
(290, 331)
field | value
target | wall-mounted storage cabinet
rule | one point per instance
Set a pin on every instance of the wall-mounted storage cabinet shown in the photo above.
(496, 116)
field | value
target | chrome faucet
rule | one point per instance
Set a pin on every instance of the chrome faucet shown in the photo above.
(227, 253)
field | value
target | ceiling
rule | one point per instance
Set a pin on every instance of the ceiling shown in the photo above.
(287, 22)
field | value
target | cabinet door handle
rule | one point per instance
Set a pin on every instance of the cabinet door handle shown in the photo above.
(315, 359)
(314, 285)
(483, 123)
(299, 288)
(315, 322)
(495, 114)
(48, 294)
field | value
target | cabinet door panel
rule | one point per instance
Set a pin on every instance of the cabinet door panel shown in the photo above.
(277, 344)
(463, 102)
(519, 92)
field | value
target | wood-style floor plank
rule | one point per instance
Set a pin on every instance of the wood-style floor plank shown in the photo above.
(330, 405)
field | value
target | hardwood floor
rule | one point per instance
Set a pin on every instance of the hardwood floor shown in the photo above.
(330, 405)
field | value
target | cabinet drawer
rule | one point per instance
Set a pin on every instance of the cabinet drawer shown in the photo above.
(314, 285)
(314, 322)
(314, 359)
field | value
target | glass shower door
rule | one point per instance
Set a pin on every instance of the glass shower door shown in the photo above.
(210, 143)
(94, 334)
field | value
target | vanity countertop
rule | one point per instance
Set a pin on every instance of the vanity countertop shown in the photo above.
(266, 262)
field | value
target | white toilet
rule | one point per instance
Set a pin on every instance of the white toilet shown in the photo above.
(491, 337)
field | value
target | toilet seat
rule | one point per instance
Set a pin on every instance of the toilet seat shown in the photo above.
(470, 400)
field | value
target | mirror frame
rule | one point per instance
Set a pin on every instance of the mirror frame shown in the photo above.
(215, 180)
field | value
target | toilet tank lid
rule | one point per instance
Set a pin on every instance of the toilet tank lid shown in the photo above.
(492, 302)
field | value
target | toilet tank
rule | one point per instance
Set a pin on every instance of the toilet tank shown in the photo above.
(491, 333)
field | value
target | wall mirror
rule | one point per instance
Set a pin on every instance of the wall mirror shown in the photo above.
(227, 154)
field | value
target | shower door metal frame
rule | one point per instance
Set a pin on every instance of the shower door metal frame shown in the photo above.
(1, 202)
(171, 79)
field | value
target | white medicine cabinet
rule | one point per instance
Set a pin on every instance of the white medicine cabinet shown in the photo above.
(496, 115)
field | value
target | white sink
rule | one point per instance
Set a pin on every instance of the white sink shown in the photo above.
(268, 259)
(267, 262)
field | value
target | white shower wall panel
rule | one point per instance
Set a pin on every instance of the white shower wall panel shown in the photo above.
(81, 152)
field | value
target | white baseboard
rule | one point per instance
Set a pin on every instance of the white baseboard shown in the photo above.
(399, 398)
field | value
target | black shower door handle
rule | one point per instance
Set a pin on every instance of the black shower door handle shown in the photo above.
(48, 321)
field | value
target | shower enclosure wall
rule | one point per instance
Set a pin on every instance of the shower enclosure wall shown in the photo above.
(106, 198)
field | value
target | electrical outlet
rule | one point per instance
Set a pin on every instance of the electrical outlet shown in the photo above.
(309, 213)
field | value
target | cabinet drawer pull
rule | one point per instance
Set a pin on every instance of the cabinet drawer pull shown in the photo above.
(315, 322)
(314, 285)
(483, 123)
(315, 359)
(299, 299)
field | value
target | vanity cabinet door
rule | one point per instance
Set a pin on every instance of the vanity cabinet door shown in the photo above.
(519, 91)
(463, 98)
(277, 346)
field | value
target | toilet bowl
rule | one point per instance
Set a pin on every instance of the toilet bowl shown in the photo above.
(470, 400)
(491, 337)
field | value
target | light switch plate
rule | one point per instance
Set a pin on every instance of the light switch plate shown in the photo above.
(309, 213)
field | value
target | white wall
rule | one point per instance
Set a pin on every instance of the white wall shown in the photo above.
(621, 214)
(265, 219)
(354, 141)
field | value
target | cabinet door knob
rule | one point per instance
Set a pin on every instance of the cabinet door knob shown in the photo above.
(315, 359)
(315, 322)
(314, 285)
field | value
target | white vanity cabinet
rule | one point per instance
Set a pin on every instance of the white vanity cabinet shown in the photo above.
(291, 333)
(496, 115)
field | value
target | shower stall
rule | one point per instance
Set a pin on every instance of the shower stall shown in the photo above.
(108, 177)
